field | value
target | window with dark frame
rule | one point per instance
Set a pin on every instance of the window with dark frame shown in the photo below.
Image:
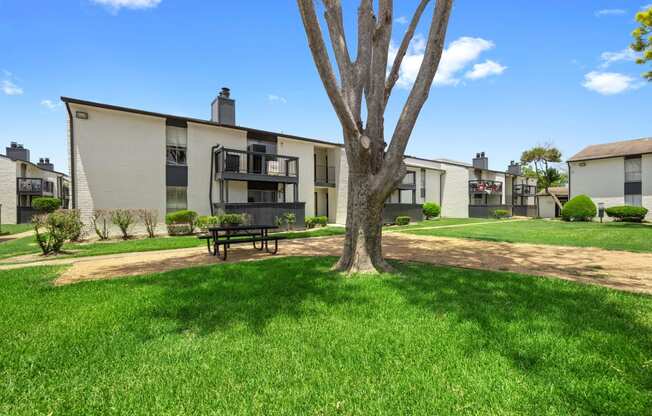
(176, 145)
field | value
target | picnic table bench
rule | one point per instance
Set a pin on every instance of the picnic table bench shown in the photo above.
(220, 238)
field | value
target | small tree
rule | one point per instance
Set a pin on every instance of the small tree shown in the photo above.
(149, 218)
(101, 220)
(540, 160)
(75, 224)
(52, 230)
(124, 219)
(46, 204)
(643, 39)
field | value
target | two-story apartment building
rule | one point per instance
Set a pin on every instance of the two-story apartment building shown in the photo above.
(128, 158)
(616, 173)
(21, 181)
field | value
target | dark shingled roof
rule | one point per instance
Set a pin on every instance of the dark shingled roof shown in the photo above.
(614, 149)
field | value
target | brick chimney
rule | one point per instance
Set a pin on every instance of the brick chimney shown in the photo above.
(223, 108)
(45, 164)
(16, 151)
(480, 161)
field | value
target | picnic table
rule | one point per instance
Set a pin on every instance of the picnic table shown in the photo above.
(225, 235)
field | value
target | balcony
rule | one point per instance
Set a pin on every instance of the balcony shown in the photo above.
(485, 187)
(30, 186)
(243, 165)
(409, 181)
(325, 176)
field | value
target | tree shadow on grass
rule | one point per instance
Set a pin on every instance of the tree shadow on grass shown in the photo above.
(207, 299)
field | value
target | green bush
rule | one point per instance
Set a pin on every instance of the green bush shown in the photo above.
(206, 221)
(627, 213)
(46, 204)
(181, 217)
(402, 220)
(501, 213)
(232, 219)
(580, 208)
(431, 210)
(124, 219)
(53, 229)
(311, 222)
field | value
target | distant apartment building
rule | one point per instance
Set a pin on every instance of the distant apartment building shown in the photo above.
(128, 158)
(617, 173)
(21, 181)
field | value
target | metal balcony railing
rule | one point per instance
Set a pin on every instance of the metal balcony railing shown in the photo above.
(233, 163)
(30, 186)
(524, 190)
(485, 187)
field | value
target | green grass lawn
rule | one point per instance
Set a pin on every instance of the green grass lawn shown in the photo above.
(287, 336)
(440, 222)
(611, 236)
(8, 229)
(27, 245)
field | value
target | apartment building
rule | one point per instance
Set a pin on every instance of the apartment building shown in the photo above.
(128, 158)
(617, 173)
(21, 181)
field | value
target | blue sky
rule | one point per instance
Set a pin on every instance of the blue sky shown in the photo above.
(516, 74)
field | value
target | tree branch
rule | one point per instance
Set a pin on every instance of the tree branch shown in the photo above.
(402, 50)
(322, 62)
(333, 16)
(420, 90)
(380, 52)
(362, 63)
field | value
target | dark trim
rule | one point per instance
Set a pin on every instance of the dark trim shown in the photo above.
(569, 180)
(212, 179)
(176, 122)
(73, 188)
(176, 175)
(633, 188)
(69, 100)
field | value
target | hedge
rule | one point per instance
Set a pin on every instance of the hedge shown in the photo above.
(181, 217)
(46, 204)
(627, 213)
(313, 221)
(402, 220)
(431, 210)
(580, 208)
(501, 213)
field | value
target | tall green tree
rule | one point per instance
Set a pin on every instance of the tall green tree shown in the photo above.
(643, 39)
(539, 161)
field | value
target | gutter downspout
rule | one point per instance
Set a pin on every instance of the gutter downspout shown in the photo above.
(570, 195)
(210, 181)
(73, 188)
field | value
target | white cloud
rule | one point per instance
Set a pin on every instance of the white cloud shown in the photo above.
(49, 104)
(609, 58)
(276, 99)
(610, 12)
(647, 6)
(401, 20)
(609, 83)
(459, 54)
(116, 5)
(9, 88)
(485, 69)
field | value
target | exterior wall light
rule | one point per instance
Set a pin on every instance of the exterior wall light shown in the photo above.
(601, 210)
(82, 115)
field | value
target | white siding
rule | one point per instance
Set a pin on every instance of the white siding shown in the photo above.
(646, 173)
(603, 180)
(455, 192)
(119, 160)
(305, 151)
(547, 207)
(8, 191)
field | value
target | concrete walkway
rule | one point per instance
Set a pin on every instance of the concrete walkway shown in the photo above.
(616, 269)
(11, 237)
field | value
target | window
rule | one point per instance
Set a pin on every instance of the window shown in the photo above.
(176, 140)
(177, 198)
(423, 183)
(633, 169)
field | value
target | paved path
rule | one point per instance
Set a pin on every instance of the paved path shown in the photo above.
(616, 269)
(467, 224)
(11, 237)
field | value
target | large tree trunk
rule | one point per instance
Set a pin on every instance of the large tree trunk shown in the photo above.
(362, 251)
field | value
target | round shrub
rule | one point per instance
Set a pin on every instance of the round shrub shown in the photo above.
(181, 217)
(46, 204)
(431, 210)
(311, 222)
(206, 221)
(580, 208)
(402, 220)
(627, 213)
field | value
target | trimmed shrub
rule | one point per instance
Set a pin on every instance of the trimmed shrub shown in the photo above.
(46, 204)
(288, 219)
(580, 208)
(311, 222)
(402, 220)
(149, 217)
(627, 213)
(124, 219)
(101, 220)
(232, 219)
(181, 222)
(74, 224)
(431, 210)
(206, 221)
(501, 213)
